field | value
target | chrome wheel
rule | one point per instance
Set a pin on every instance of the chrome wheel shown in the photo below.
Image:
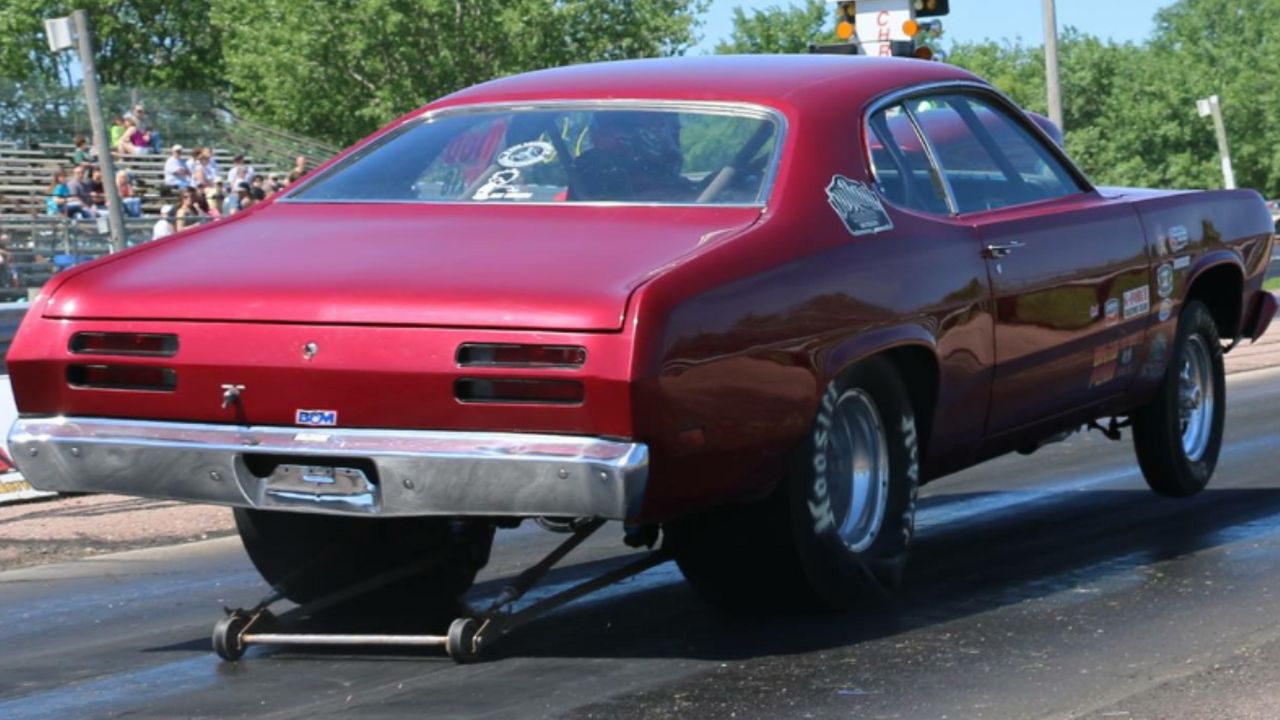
(1195, 399)
(858, 466)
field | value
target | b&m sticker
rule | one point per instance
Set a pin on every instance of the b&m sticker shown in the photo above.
(316, 418)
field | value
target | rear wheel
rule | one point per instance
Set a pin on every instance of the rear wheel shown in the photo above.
(1178, 435)
(836, 532)
(309, 557)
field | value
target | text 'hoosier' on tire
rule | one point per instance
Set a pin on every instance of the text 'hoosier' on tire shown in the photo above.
(1178, 435)
(836, 532)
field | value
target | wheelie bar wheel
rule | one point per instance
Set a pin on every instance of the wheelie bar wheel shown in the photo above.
(227, 633)
(462, 646)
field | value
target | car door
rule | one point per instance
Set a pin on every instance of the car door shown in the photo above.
(1068, 269)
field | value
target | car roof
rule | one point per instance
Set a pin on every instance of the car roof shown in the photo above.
(778, 80)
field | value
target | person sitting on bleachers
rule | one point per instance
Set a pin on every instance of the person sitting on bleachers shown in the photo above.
(139, 139)
(163, 226)
(117, 132)
(128, 198)
(97, 192)
(82, 192)
(81, 154)
(210, 165)
(176, 172)
(189, 212)
(240, 172)
(60, 200)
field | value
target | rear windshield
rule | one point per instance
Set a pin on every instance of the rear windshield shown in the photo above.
(576, 153)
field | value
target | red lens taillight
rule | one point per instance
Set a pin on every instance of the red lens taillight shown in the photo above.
(552, 392)
(500, 355)
(122, 377)
(105, 343)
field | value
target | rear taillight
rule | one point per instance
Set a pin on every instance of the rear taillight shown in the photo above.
(110, 343)
(122, 377)
(501, 355)
(551, 392)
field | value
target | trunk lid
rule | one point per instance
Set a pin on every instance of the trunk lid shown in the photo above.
(479, 266)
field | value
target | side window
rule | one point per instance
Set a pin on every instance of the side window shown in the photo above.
(903, 173)
(988, 159)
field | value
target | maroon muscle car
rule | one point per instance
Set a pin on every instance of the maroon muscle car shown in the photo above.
(750, 302)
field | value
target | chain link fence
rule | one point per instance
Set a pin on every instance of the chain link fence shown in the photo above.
(35, 249)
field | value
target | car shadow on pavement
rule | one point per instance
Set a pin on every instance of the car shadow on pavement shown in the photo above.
(1038, 548)
(1009, 547)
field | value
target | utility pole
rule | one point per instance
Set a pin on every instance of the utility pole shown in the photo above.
(93, 102)
(1052, 78)
(1212, 107)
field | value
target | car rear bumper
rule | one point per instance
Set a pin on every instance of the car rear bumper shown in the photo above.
(336, 471)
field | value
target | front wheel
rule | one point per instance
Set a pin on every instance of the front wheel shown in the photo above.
(836, 532)
(1178, 435)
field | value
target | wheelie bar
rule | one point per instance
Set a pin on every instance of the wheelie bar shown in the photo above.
(467, 636)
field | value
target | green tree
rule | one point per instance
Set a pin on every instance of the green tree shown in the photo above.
(149, 43)
(780, 29)
(340, 69)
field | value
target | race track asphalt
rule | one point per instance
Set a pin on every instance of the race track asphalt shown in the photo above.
(1050, 586)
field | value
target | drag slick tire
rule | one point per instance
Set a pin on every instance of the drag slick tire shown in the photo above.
(835, 533)
(309, 557)
(1178, 435)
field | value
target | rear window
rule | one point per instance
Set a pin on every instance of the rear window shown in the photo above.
(573, 153)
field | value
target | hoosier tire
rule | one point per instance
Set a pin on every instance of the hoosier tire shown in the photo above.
(1178, 435)
(836, 532)
(310, 557)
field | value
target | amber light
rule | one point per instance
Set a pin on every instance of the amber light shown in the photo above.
(122, 377)
(844, 30)
(553, 392)
(498, 355)
(911, 28)
(105, 343)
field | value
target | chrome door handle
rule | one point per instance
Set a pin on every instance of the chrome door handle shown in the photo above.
(1000, 250)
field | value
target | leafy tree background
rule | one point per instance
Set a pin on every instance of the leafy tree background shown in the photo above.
(339, 69)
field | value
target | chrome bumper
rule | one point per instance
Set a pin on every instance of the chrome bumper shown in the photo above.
(336, 471)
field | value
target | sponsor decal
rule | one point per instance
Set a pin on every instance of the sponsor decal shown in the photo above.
(1182, 263)
(1137, 302)
(1164, 281)
(499, 187)
(1094, 310)
(1179, 238)
(858, 206)
(1166, 310)
(1113, 311)
(311, 437)
(1113, 360)
(1157, 356)
(316, 418)
(526, 154)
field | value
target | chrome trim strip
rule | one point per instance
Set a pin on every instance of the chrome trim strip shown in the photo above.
(416, 472)
(731, 108)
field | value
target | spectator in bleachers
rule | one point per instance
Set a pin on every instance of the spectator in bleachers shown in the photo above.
(199, 199)
(163, 226)
(198, 177)
(59, 195)
(189, 212)
(139, 139)
(81, 192)
(210, 165)
(213, 202)
(299, 168)
(97, 192)
(81, 154)
(236, 201)
(117, 132)
(271, 185)
(240, 172)
(257, 190)
(128, 198)
(176, 172)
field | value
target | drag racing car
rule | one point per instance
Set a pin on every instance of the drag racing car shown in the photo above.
(746, 306)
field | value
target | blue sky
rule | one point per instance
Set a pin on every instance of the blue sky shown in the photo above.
(971, 20)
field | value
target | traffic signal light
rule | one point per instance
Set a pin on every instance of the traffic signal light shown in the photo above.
(932, 8)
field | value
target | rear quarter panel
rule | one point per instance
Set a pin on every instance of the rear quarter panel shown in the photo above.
(735, 345)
